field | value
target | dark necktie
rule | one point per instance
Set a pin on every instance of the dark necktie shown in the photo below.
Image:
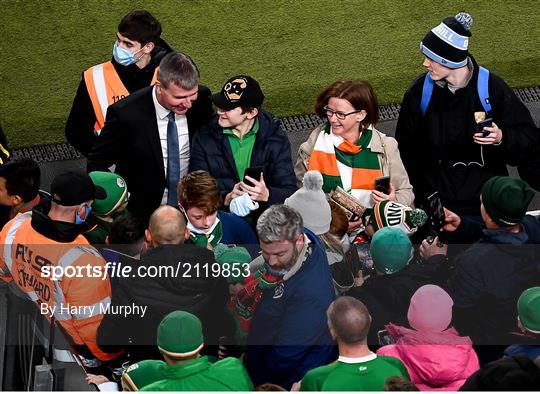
(173, 161)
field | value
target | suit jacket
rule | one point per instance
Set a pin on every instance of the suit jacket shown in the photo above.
(130, 139)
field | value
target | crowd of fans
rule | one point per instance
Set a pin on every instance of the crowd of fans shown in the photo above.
(350, 270)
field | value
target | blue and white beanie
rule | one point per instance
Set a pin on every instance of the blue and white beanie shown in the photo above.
(447, 44)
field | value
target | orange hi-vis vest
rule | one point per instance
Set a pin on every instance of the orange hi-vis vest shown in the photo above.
(105, 88)
(78, 299)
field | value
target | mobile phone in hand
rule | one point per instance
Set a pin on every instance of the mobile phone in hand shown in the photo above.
(382, 184)
(485, 123)
(253, 172)
(436, 212)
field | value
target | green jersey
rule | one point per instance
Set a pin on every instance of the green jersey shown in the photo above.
(367, 373)
(201, 375)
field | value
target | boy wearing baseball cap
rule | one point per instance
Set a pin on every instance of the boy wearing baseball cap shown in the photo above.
(245, 149)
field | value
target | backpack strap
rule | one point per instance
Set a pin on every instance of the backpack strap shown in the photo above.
(427, 90)
(483, 88)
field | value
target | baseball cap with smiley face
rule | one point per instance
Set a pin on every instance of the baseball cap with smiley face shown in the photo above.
(239, 91)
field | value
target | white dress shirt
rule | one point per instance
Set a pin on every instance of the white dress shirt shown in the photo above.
(183, 139)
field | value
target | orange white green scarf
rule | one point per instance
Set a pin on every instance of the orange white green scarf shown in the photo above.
(354, 167)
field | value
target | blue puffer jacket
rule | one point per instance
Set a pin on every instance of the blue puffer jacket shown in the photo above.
(236, 231)
(289, 334)
(211, 151)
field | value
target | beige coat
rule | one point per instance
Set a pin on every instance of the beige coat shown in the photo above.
(389, 159)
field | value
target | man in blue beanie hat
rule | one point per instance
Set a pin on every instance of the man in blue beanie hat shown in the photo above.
(459, 124)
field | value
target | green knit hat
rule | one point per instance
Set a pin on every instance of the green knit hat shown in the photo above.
(117, 192)
(506, 199)
(180, 335)
(236, 257)
(143, 373)
(390, 249)
(529, 309)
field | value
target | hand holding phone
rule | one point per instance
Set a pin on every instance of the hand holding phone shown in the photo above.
(382, 184)
(253, 172)
(484, 123)
(436, 212)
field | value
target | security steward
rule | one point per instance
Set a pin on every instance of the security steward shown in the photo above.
(136, 55)
(43, 253)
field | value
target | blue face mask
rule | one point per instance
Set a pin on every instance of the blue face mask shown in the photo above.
(123, 56)
(87, 210)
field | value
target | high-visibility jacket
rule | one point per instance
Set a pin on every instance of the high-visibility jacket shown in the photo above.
(78, 299)
(105, 88)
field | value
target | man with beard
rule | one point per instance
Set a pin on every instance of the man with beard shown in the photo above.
(286, 300)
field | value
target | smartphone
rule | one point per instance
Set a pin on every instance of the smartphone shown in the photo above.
(382, 184)
(436, 212)
(485, 123)
(253, 172)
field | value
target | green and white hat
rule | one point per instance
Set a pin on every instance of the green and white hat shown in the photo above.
(117, 192)
(393, 214)
(180, 335)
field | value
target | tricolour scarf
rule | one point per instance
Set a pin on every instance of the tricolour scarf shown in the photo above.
(354, 167)
(249, 297)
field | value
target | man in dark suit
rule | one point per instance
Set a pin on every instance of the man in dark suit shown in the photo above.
(147, 135)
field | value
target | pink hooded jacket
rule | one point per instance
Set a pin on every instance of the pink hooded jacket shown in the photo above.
(437, 358)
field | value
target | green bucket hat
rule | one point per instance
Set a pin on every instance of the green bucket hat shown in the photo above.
(529, 309)
(236, 257)
(506, 199)
(117, 192)
(143, 373)
(180, 335)
(390, 249)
